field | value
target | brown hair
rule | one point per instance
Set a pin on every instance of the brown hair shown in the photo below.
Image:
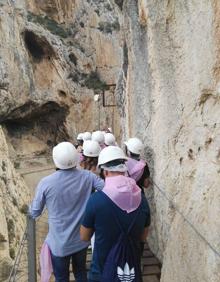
(89, 163)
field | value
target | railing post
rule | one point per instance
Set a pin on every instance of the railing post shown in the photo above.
(31, 241)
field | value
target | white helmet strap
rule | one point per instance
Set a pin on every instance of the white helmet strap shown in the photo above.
(118, 168)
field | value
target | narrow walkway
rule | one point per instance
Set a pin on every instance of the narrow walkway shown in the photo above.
(151, 267)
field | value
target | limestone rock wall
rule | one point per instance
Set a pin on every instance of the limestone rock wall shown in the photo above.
(56, 55)
(170, 92)
(14, 195)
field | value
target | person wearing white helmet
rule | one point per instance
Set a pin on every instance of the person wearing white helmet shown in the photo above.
(137, 168)
(65, 193)
(108, 130)
(91, 150)
(99, 137)
(79, 144)
(87, 136)
(119, 208)
(110, 139)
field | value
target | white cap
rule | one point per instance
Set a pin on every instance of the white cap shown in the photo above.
(87, 136)
(65, 155)
(109, 139)
(91, 148)
(111, 153)
(134, 145)
(99, 137)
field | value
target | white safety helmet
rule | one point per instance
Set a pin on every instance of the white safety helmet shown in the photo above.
(80, 136)
(99, 137)
(65, 155)
(109, 139)
(87, 136)
(111, 153)
(91, 148)
(134, 145)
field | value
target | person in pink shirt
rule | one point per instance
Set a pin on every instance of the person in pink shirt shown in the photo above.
(137, 168)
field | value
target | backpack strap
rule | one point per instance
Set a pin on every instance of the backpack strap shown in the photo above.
(116, 218)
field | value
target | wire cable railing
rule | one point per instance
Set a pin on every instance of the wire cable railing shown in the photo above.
(19, 269)
(26, 266)
(175, 207)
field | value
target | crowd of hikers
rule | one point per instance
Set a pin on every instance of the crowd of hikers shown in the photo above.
(94, 198)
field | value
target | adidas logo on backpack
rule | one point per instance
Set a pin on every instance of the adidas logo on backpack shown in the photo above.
(126, 274)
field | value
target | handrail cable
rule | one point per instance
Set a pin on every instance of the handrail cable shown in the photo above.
(18, 256)
(162, 191)
(26, 172)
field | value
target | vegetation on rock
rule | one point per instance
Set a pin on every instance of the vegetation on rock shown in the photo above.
(50, 24)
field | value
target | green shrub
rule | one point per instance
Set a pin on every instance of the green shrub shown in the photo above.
(12, 253)
(50, 24)
(3, 166)
(73, 58)
(17, 165)
(107, 27)
(93, 82)
(11, 230)
(14, 201)
(2, 238)
(24, 209)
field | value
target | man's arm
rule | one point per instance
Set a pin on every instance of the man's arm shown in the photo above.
(143, 240)
(37, 206)
(88, 222)
(146, 182)
(144, 234)
(86, 233)
(98, 183)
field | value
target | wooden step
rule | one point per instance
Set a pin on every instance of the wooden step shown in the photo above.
(151, 278)
(150, 261)
(147, 254)
(151, 270)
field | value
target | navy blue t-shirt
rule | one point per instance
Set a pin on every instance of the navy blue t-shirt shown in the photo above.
(99, 216)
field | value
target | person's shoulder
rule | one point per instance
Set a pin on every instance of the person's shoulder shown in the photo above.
(89, 173)
(83, 171)
(49, 178)
(97, 198)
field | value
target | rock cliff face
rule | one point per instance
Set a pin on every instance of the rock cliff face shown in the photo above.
(56, 56)
(14, 194)
(170, 90)
(161, 59)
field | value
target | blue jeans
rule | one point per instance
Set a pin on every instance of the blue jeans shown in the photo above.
(61, 266)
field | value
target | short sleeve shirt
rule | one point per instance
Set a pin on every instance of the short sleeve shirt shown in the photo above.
(99, 216)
